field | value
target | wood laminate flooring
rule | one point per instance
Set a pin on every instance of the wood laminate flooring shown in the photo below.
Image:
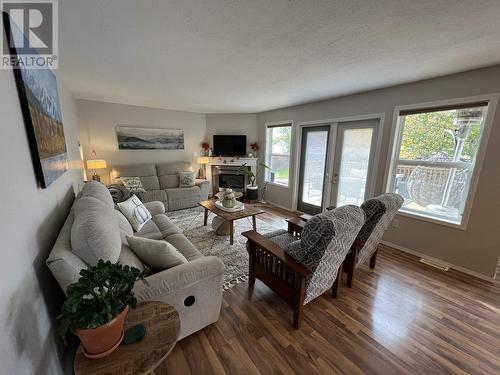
(403, 317)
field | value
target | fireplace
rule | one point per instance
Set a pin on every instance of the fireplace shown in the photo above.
(229, 177)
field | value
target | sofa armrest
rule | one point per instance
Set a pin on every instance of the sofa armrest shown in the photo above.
(155, 207)
(204, 186)
(179, 277)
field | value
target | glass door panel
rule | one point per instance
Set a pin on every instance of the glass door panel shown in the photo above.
(352, 167)
(314, 152)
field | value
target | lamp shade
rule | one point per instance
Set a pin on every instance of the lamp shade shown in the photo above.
(203, 160)
(96, 164)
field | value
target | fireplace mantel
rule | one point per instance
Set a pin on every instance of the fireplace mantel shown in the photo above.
(235, 160)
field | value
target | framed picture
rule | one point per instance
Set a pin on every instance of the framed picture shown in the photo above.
(130, 138)
(39, 98)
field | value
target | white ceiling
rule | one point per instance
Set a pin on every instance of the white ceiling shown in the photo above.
(256, 55)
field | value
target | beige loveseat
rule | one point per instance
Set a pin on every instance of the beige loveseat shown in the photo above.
(95, 230)
(161, 182)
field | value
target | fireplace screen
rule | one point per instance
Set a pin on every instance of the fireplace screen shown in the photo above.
(234, 181)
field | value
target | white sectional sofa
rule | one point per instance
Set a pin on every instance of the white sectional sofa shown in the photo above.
(94, 225)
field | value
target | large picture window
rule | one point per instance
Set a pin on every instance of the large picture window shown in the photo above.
(434, 157)
(278, 143)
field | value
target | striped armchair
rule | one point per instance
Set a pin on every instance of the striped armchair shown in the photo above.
(379, 212)
(299, 270)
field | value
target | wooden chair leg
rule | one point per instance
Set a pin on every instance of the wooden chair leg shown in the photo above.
(373, 259)
(349, 266)
(335, 287)
(298, 311)
(251, 261)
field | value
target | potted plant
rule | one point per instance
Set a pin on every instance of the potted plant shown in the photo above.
(255, 147)
(205, 147)
(252, 188)
(96, 306)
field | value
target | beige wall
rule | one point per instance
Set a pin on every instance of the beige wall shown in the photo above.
(30, 297)
(478, 247)
(99, 119)
(232, 123)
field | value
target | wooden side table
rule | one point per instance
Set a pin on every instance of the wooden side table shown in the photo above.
(162, 331)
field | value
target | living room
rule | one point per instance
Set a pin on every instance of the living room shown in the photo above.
(299, 186)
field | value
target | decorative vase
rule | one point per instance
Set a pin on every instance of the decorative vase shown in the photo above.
(228, 199)
(252, 192)
(102, 341)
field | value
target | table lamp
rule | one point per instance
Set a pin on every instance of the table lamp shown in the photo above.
(203, 160)
(96, 164)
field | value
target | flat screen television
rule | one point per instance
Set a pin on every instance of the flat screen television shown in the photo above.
(230, 145)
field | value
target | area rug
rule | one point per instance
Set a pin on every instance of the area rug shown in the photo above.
(234, 257)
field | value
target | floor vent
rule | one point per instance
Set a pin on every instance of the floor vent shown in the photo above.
(434, 264)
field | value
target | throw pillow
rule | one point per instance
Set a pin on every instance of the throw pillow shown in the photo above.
(186, 179)
(135, 212)
(134, 184)
(156, 254)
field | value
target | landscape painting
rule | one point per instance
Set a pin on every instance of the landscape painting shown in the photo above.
(37, 89)
(130, 138)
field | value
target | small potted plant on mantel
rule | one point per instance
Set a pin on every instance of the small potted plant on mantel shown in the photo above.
(252, 188)
(97, 305)
(205, 149)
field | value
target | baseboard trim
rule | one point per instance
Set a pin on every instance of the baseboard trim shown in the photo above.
(440, 261)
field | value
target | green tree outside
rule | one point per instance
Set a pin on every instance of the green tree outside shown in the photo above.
(427, 134)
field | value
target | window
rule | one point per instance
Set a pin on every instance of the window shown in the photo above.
(434, 157)
(278, 143)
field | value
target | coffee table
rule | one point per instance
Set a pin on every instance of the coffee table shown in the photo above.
(248, 211)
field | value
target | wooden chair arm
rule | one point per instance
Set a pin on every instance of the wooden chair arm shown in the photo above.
(296, 224)
(278, 252)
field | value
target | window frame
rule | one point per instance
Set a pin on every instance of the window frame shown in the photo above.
(395, 147)
(268, 145)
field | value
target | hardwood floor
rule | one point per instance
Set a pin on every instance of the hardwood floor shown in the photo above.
(403, 317)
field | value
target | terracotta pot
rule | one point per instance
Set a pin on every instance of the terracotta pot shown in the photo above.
(102, 341)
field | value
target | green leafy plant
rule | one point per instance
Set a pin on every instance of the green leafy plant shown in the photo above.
(243, 169)
(100, 294)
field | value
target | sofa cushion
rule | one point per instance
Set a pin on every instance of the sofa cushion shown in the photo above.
(156, 254)
(128, 258)
(179, 198)
(99, 191)
(135, 212)
(159, 227)
(173, 168)
(146, 172)
(95, 233)
(150, 182)
(155, 195)
(182, 244)
(150, 230)
(169, 181)
(136, 170)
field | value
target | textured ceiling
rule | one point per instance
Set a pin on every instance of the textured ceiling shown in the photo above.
(256, 55)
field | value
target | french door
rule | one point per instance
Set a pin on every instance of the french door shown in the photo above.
(353, 176)
(313, 162)
(345, 178)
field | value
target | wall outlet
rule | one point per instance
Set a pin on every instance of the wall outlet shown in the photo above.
(395, 223)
